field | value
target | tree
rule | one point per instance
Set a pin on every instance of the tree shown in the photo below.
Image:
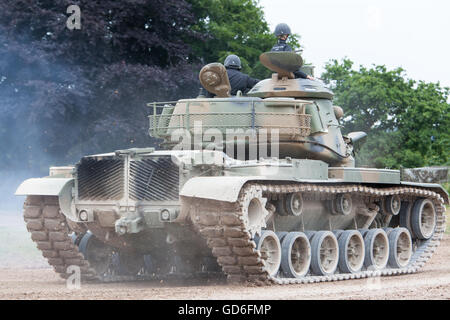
(65, 93)
(407, 121)
(233, 27)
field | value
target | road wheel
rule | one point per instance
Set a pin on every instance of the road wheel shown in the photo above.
(363, 232)
(423, 219)
(281, 235)
(98, 254)
(269, 246)
(400, 248)
(376, 249)
(405, 215)
(296, 255)
(310, 234)
(351, 251)
(338, 233)
(324, 253)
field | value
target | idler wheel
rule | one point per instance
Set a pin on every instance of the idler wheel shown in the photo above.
(376, 249)
(324, 253)
(423, 219)
(351, 251)
(96, 252)
(269, 246)
(400, 248)
(296, 255)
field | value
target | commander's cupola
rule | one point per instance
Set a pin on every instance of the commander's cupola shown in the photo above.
(283, 82)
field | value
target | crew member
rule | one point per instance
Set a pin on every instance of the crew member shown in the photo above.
(239, 81)
(282, 32)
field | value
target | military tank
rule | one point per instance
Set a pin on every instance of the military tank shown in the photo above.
(259, 189)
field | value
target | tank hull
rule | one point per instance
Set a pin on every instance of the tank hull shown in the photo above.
(162, 205)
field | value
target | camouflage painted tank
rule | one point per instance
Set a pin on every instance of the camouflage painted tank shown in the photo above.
(260, 188)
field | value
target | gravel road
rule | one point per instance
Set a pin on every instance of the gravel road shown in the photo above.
(433, 282)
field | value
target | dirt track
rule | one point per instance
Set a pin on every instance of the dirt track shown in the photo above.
(433, 282)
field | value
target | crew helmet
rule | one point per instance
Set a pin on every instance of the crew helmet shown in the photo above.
(232, 61)
(281, 29)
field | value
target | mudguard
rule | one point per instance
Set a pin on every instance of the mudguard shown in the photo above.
(433, 186)
(60, 187)
(225, 189)
(43, 186)
(216, 188)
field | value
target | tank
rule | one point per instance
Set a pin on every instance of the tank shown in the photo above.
(259, 189)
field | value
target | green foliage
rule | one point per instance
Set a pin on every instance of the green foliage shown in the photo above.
(66, 93)
(233, 27)
(407, 121)
(446, 186)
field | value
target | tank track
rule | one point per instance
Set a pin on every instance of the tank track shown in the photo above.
(224, 227)
(50, 231)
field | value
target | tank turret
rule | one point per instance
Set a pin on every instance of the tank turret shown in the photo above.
(297, 114)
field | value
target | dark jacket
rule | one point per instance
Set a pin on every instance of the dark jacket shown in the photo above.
(240, 81)
(283, 46)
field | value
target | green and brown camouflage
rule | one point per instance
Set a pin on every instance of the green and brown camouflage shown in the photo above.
(282, 63)
(300, 110)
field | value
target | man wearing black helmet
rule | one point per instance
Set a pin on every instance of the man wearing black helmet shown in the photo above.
(239, 81)
(282, 31)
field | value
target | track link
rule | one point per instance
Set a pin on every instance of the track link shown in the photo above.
(50, 231)
(227, 234)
